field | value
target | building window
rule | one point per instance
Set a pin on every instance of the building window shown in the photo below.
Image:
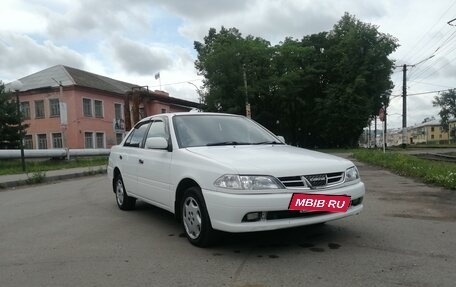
(432, 129)
(28, 142)
(119, 138)
(100, 140)
(163, 111)
(57, 140)
(118, 121)
(54, 107)
(118, 111)
(88, 140)
(39, 109)
(432, 137)
(98, 108)
(87, 107)
(440, 136)
(25, 110)
(42, 141)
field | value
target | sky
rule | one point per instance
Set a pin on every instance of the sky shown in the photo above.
(133, 40)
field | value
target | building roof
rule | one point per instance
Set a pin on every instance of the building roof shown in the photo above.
(68, 76)
(426, 124)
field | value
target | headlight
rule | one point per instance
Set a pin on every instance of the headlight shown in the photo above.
(351, 174)
(247, 182)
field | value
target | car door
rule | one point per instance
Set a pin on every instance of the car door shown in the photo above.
(154, 171)
(128, 158)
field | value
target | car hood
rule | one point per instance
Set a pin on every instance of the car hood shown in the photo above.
(276, 160)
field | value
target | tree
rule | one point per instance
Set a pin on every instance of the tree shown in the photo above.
(447, 103)
(10, 130)
(296, 76)
(428, 119)
(357, 81)
(222, 60)
(318, 91)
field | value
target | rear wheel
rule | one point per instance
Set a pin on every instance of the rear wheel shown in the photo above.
(124, 201)
(195, 219)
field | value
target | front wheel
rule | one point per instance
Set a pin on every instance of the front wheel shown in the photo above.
(195, 219)
(124, 201)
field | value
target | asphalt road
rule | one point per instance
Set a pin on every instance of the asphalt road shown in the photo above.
(72, 234)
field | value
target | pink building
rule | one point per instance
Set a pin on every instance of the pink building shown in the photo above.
(68, 107)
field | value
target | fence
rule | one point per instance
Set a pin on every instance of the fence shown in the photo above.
(51, 153)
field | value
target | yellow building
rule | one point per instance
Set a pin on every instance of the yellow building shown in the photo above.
(452, 130)
(428, 133)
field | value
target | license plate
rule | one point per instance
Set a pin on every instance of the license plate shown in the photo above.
(319, 202)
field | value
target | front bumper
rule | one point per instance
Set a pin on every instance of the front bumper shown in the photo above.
(227, 210)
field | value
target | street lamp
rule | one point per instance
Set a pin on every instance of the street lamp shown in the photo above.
(16, 86)
(198, 91)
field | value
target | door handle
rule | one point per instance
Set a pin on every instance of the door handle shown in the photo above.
(120, 156)
(141, 161)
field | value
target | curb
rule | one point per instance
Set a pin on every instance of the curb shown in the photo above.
(49, 179)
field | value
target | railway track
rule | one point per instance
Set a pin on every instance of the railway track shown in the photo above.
(437, 157)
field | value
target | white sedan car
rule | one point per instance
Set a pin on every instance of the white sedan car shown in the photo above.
(226, 172)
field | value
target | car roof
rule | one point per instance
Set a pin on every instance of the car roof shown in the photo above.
(170, 115)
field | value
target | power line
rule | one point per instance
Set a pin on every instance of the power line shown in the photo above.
(429, 84)
(441, 49)
(423, 93)
(450, 48)
(440, 68)
(429, 42)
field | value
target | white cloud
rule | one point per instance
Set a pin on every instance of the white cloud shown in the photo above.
(275, 20)
(22, 55)
(18, 17)
(139, 58)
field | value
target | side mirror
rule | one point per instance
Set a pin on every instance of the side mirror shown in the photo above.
(156, 143)
(281, 138)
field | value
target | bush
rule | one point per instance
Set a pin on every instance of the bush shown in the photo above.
(37, 177)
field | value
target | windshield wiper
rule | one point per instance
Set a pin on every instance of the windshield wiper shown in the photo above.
(227, 143)
(268, 142)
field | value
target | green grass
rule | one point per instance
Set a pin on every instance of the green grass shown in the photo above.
(36, 166)
(438, 173)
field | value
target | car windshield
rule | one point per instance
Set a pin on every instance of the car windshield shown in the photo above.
(217, 130)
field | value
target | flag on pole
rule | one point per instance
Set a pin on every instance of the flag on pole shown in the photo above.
(157, 76)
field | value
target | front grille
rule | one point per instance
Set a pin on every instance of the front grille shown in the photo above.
(292, 181)
(313, 180)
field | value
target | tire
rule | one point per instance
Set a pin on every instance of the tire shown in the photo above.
(195, 219)
(124, 202)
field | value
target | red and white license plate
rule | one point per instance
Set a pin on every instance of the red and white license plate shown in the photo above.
(319, 202)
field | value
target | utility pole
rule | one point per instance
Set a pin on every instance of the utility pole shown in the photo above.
(404, 106)
(384, 135)
(404, 101)
(21, 143)
(404, 98)
(247, 104)
(17, 86)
